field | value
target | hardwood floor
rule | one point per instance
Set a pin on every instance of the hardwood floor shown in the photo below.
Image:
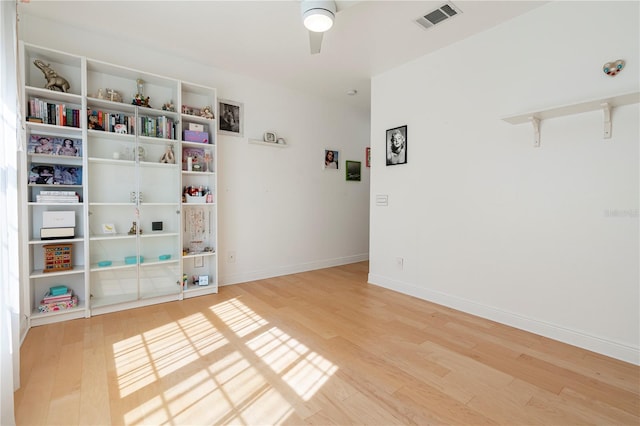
(320, 347)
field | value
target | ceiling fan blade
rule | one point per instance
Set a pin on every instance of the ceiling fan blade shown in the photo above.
(315, 41)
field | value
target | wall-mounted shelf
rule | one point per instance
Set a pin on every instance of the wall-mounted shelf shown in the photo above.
(274, 144)
(605, 104)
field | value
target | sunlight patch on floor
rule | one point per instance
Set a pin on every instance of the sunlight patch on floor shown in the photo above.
(214, 376)
(238, 317)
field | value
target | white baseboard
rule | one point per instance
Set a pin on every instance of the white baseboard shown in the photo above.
(290, 269)
(572, 337)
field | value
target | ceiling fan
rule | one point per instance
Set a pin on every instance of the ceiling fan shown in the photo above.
(317, 17)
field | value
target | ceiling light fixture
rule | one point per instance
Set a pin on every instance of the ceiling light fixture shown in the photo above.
(318, 15)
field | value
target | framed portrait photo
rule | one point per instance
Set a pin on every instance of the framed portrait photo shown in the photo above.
(397, 146)
(331, 159)
(353, 170)
(230, 118)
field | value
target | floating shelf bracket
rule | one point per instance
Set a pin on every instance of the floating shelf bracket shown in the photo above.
(604, 104)
(606, 109)
(536, 131)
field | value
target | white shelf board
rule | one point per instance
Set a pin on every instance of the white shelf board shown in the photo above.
(39, 273)
(200, 254)
(274, 144)
(56, 241)
(575, 108)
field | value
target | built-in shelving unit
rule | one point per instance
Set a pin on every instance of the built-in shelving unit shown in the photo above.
(128, 185)
(605, 104)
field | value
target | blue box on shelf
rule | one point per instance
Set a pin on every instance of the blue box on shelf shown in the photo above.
(131, 260)
(58, 290)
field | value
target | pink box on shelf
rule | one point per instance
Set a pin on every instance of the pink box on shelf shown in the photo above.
(58, 306)
(193, 136)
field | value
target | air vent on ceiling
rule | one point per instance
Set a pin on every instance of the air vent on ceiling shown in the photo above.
(444, 12)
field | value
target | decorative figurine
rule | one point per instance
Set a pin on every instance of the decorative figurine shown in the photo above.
(613, 68)
(54, 81)
(168, 157)
(139, 98)
(100, 94)
(169, 106)
(207, 112)
(113, 96)
(134, 229)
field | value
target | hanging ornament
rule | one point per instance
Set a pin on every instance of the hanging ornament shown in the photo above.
(613, 68)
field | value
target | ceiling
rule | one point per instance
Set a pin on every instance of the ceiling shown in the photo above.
(267, 41)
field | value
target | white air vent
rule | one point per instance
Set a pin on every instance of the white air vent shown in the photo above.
(444, 12)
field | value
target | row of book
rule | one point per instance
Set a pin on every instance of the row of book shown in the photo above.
(53, 113)
(58, 197)
(157, 127)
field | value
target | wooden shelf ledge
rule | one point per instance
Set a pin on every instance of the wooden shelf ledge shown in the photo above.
(605, 104)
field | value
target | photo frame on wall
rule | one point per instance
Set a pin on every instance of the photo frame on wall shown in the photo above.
(367, 156)
(397, 146)
(331, 159)
(230, 118)
(353, 170)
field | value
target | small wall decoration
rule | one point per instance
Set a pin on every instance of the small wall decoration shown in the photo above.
(397, 146)
(367, 156)
(331, 159)
(353, 170)
(231, 116)
(613, 68)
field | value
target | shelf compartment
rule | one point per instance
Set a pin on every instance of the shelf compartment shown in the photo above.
(41, 318)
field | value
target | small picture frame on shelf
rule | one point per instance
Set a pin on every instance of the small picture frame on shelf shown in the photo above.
(270, 137)
(108, 228)
(353, 170)
(231, 118)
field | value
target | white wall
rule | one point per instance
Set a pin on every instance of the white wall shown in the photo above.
(544, 239)
(278, 210)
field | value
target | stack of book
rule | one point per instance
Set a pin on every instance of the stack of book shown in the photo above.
(57, 197)
(55, 300)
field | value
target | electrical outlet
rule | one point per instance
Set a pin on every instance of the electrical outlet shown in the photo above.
(400, 262)
(231, 257)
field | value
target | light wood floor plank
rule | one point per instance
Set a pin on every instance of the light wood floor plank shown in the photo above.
(318, 348)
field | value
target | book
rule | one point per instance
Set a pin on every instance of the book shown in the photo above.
(48, 174)
(47, 145)
(49, 298)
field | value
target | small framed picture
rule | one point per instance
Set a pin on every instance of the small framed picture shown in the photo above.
(353, 170)
(397, 146)
(108, 228)
(231, 117)
(331, 159)
(367, 156)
